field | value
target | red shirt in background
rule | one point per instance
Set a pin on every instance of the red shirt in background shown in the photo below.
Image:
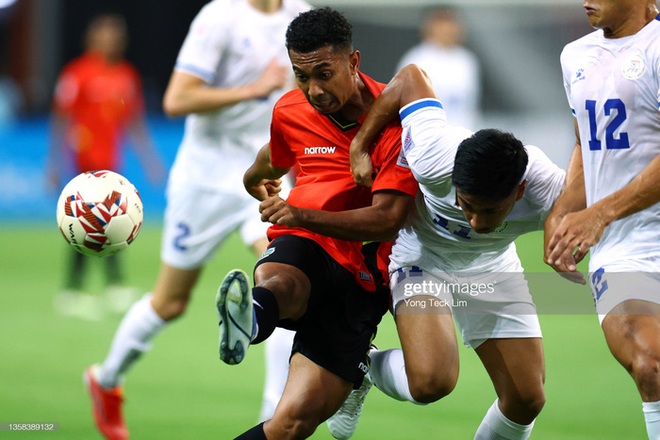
(319, 146)
(99, 99)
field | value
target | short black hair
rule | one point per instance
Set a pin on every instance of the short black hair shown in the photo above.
(316, 28)
(489, 164)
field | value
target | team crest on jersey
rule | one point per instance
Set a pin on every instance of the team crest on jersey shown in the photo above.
(502, 227)
(266, 253)
(579, 76)
(634, 67)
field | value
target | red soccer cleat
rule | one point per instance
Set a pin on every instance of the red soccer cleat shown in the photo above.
(106, 407)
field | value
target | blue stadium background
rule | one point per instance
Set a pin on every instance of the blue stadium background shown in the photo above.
(24, 194)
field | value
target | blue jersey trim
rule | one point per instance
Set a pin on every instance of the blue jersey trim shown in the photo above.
(411, 108)
(205, 75)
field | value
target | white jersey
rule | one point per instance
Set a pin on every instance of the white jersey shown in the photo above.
(230, 44)
(613, 88)
(438, 229)
(454, 73)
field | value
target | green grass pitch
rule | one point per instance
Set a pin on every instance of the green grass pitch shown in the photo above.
(180, 390)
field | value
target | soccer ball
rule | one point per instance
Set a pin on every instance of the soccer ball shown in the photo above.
(99, 213)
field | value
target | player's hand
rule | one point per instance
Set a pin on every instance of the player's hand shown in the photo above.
(361, 165)
(273, 187)
(278, 212)
(53, 180)
(260, 190)
(274, 77)
(571, 240)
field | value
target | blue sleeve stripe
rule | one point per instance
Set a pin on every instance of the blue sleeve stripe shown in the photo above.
(413, 107)
(205, 75)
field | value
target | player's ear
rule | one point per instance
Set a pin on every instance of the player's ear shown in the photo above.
(521, 190)
(354, 60)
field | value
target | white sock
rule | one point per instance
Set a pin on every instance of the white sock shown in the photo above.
(496, 426)
(133, 337)
(278, 350)
(652, 418)
(388, 373)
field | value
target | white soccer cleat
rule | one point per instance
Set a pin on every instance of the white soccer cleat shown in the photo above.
(343, 423)
(235, 316)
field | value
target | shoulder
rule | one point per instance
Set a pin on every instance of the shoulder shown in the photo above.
(541, 170)
(217, 12)
(581, 43)
(292, 105)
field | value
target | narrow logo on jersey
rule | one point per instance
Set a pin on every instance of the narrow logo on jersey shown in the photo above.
(634, 67)
(320, 150)
(579, 76)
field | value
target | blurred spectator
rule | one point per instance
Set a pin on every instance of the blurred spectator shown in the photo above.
(453, 69)
(98, 99)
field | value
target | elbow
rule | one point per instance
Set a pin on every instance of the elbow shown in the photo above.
(172, 107)
(388, 229)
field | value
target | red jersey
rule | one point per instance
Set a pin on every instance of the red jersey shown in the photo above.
(318, 146)
(99, 98)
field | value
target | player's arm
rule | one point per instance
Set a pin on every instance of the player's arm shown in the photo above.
(187, 93)
(57, 148)
(571, 199)
(145, 150)
(577, 230)
(409, 84)
(262, 179)
(380, 221)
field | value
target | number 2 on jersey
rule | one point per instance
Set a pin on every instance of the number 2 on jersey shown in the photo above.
(611, 143)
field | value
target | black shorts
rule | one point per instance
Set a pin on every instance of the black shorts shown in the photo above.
(341, 317)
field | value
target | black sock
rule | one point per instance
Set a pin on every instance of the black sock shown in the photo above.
(255, 433)
(266, 311)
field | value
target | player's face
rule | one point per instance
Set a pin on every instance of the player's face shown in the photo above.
(327, 77)
(485, 216)
(109, 40)
(612, 15)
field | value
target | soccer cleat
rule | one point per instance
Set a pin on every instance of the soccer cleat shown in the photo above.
(343, 423)
(235, 316)
(106, 407)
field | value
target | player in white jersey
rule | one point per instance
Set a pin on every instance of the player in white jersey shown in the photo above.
(456, 260)
(610, 205)
(231, 69)
(452, 67)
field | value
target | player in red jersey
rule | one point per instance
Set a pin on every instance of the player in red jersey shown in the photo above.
(98, 98)
(316, 276)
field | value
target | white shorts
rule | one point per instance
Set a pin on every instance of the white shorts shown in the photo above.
(484, 306)
(198, 220)
(614, 283)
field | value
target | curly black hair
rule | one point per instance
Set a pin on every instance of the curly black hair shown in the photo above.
(489, 164)
(314, 29)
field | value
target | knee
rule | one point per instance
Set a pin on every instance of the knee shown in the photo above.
(428, 388)
(523, 408)
(646, 372)
(170, 307)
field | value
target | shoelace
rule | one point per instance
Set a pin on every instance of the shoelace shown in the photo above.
(354, 406)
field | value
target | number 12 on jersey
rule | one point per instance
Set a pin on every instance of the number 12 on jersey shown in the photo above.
(611, 143)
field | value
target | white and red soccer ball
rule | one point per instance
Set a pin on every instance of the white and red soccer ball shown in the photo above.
(99, 213)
